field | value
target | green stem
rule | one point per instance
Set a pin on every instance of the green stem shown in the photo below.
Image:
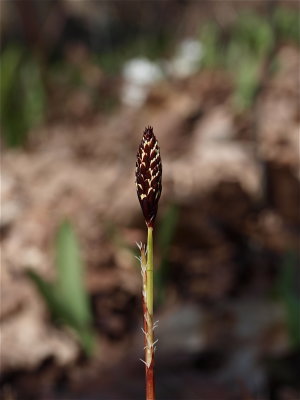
(149, 291)
(148, 320)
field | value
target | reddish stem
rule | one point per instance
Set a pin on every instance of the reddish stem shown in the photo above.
(150, 388)
(149, 372)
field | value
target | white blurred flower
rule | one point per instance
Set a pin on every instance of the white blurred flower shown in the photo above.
(187, 59)
(139, 74)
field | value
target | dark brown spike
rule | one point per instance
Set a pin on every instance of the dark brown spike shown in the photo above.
(148, 175)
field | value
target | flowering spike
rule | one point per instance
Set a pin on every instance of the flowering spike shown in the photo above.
(148, 175)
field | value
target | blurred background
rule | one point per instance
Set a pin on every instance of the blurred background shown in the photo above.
(219, 82)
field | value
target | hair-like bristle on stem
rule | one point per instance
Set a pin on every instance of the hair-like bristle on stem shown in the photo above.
(148, 175)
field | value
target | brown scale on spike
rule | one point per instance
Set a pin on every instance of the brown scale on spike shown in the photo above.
(148, 175)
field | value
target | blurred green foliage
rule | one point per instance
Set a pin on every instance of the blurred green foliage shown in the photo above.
(288, 292)
(246, 81)
(252, 34)
(213, 53)
(251, 42)
(149, 46)
(244, 50)
(166, 231)
(22, 95)
(66, 297)
(287, 25)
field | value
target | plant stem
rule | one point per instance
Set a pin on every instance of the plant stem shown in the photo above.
(149, 293)
(148, 319)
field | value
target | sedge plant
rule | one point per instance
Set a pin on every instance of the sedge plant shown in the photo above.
(148, 185)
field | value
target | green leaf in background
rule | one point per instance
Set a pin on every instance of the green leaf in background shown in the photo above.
(70, 274)
(66, 297)
(286, 22)
(251, 41)
(149, 46)
(210, 37)
(246, 81)
(12, 117)
(9, 62)
(254, 34)
(22, 94)
(48, 291)
(34, 95)
(167, 229)
(289, 294)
